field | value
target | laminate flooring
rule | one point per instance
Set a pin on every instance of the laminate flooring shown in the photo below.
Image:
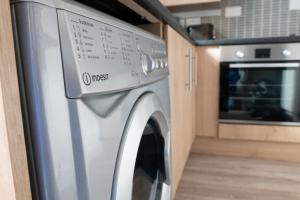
(233, 178)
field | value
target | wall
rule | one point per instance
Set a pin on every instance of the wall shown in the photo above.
(249, 18)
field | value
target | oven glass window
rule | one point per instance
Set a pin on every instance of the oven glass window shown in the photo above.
(149, 173)
(260, 94)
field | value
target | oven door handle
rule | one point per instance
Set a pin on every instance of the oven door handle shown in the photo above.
(265, 65)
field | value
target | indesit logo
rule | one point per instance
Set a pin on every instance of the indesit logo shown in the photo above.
(88, 79)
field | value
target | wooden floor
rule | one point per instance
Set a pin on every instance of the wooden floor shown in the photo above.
(233, 178)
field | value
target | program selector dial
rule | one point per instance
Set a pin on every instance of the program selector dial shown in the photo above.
(148, 64)
(165, 63)
(158, 64)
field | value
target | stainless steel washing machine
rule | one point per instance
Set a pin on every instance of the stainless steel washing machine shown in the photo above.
(95, 100)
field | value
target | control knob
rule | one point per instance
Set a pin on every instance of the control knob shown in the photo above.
(157, 63)
(240, 54)
(148, 64)
(286, 52)
(161, 62)
(165, 63)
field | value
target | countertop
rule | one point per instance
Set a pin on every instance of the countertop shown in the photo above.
(163, 13)
(268, 40)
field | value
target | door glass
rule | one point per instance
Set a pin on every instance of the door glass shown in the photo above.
(260, 94)
(149, 173)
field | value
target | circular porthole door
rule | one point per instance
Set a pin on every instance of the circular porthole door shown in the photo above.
(143, 167)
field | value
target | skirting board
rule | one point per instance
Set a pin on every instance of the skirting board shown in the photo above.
(251, 149)
(269, 133)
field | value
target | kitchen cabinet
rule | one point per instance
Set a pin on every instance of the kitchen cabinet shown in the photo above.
(185, 2)
(182, 65)
(207, 100)
(14, 177)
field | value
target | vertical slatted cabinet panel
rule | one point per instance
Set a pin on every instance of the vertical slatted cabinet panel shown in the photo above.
(14, 178)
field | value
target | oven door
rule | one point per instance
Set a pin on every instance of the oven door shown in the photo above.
(260, 92)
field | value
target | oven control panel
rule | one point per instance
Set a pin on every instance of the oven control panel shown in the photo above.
(102, 58)
(263, 52)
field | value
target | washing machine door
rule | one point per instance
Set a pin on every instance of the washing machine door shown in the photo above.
(143, 167)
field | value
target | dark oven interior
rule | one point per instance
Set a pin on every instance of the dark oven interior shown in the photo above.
(260, 94)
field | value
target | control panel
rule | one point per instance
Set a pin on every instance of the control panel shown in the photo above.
(153, 60)
(260, 52)
(103, 58)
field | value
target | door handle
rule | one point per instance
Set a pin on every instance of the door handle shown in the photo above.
(195, 58)
(190, 60)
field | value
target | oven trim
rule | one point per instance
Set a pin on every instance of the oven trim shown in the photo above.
(254, 122)
(266, 65)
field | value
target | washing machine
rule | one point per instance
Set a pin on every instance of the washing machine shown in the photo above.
(95, 99)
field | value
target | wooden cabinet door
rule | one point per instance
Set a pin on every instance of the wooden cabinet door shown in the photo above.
(189, 102)
(194, 80)
(195, 85)
(181, 95)
(176, 62)
(207, 99)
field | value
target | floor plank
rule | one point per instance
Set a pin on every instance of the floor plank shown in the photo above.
(234, 178)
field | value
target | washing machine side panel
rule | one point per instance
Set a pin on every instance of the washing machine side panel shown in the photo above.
(162, 90)
(41, 66)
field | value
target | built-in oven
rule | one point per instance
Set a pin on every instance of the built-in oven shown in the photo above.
(260, 84)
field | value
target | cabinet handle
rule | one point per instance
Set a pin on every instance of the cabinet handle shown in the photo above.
(196, 69)
(188, 80)
(191, 69)
(190, 65)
